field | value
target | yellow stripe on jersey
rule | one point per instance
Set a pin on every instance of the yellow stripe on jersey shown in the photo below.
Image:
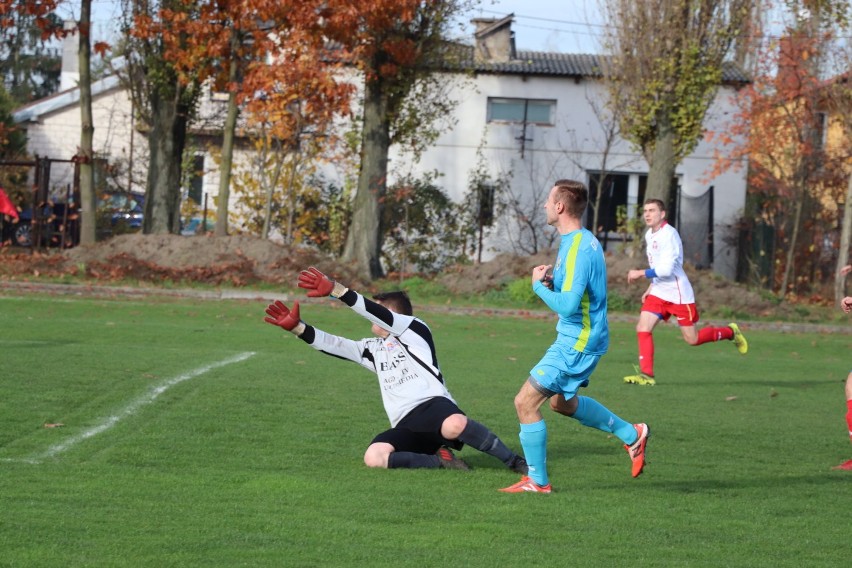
(570, 264)
(571, 261)
(583, 338)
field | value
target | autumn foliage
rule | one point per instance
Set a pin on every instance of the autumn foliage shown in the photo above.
(38, 9)
(290, 50)
(796, 177)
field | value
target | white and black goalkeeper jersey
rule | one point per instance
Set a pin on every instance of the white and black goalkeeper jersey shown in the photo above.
(404, 362)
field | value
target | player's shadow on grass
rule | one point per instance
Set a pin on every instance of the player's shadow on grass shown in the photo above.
(556, 452)
(709, 486)
(733, 383)
(35, 344)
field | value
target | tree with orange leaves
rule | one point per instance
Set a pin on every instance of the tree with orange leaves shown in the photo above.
(271, 57)
(293, 51)
(164, 102)
(795, 179)
(839, 98)
(29, 68)
(25, 24)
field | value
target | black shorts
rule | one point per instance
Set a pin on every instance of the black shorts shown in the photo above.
(420, 430)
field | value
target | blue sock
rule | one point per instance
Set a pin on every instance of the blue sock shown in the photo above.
(534, 441)
(593, 414)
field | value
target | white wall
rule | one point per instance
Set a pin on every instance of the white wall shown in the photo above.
(56, 134)
(569, 149)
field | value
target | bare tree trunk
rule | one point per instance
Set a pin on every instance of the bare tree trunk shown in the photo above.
(295, 161)
(88, 205)
(845, 241)
(267, 208)
(272, 183)
(166, 141)
(362, 242)
(794, 237)
(601, 185)
(230, 128)
(662, 162)
(811, 137)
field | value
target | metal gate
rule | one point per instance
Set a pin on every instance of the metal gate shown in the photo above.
(695, 225)
(44, 221)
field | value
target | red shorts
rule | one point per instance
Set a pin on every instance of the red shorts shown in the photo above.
(686, 314)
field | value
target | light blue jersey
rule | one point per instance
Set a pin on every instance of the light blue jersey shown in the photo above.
(579, 297)
(579, 294)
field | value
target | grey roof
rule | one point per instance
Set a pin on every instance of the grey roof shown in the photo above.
(31, 112)
(543, 63)
(459, 57)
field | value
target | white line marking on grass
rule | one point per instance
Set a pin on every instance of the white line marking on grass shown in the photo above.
(135, 405)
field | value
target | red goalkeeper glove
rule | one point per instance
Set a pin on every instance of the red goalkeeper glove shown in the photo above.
(280, 315)
(318, 283)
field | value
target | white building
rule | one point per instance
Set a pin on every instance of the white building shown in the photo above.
(529, 117)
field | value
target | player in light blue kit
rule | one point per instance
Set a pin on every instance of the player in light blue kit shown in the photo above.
(577, 293)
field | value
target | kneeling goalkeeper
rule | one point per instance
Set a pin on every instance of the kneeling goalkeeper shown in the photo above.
(425, 419)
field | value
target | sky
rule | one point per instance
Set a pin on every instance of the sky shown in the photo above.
(563, 26)
(566, 26)
(540, 25)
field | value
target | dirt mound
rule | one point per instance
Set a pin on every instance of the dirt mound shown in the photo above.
(244, 261)
(232, 260)
(712, 290)
(491, 275)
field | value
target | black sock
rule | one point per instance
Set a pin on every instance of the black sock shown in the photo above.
(478, 436)
(411, 460)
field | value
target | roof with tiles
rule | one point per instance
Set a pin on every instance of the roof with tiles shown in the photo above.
(551, 64)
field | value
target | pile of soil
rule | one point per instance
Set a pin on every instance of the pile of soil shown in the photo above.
(232, 261)
(245, 261)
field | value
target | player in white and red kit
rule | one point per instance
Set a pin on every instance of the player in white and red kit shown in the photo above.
(846, 306)
(669, 294)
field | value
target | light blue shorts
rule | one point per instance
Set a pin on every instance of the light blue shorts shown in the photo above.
(563, 370)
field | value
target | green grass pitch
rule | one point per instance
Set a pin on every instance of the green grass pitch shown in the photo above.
(194, 434)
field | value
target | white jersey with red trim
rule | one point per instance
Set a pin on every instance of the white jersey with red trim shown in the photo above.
(665, 256)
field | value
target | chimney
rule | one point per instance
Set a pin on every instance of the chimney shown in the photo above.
(495, 40)
(69, 75)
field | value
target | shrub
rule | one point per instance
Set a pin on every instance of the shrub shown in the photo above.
(615, 302)
(521, 291)
(416, 287)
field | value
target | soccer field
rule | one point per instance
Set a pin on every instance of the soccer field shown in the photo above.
(166, 432)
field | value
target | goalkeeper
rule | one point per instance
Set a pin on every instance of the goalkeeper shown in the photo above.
(425, 420)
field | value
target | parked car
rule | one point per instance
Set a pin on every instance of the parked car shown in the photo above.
(120, 212)
(117, 213)
(197, 226)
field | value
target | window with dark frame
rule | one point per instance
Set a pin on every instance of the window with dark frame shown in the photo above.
(523, 111)
(196, 179)
(613, 190)
(486, 205)
(615, 200)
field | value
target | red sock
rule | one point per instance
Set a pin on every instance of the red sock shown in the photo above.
(849, 416)
(708, 334)
(646, 352)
